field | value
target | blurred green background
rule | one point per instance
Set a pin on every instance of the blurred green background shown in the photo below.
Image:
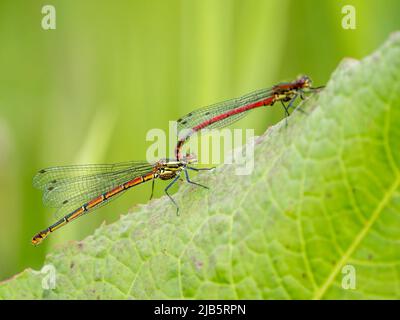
(89, 91)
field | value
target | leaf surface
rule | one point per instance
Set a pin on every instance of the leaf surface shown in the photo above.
(324, 194)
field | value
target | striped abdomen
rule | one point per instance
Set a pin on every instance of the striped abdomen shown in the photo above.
(92, 204)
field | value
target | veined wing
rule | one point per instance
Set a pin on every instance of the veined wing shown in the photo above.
(67, 186)
(202, 115)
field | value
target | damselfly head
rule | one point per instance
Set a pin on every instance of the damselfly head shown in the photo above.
(305, 81)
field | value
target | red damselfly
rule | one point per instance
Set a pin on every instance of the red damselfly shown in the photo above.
(78, 189)
(225, 113)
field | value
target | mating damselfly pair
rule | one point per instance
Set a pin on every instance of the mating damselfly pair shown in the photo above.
(76, 190)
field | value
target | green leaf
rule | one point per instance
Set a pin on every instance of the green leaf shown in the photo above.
(324, 194)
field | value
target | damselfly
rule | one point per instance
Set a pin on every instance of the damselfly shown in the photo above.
(225, 113)
(76, 190)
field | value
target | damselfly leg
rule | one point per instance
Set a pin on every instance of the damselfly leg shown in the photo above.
(192, 182)
(152, 190)
(169, 196)
(200, 169)
(187, 177)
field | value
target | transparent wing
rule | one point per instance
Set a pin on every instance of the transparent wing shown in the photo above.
(70, 186)
(54, 175)
(202, 115)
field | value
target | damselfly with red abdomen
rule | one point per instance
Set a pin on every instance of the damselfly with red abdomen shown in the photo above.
(227, 112)
(76, 190)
